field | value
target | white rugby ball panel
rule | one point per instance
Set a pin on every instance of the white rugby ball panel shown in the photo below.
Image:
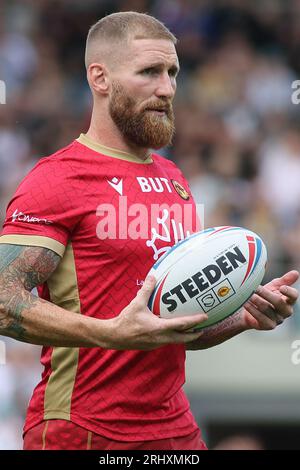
(214, 271)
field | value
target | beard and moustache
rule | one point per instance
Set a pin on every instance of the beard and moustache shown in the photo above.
(142, 128)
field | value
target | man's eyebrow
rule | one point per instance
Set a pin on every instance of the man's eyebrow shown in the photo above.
(175, 67)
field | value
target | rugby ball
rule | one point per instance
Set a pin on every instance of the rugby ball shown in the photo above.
(214, 271)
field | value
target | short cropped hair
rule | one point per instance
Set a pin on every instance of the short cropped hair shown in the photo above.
(122, 26)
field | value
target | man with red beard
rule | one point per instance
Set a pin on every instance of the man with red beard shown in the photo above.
(81, 228)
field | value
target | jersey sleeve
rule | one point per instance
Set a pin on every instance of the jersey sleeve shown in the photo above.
(45, 208)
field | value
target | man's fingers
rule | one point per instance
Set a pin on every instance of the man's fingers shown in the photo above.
(187, 337)
(290, 293)
(174, 338)
(146, 290)
(269, 305)
(288, 279)
(276, 300)
(264, 321)
(262, 304)
(184, 323)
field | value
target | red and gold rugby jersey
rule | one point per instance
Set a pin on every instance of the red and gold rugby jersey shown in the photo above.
(109, 216)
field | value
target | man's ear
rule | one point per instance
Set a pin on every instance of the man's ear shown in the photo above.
(97, 76)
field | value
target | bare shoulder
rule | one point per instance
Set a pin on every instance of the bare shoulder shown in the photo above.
(28, 266)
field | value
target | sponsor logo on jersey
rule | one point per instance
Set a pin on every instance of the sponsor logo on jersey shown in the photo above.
(157, 184)
(180, 190)
(117, 184)
(21, 217)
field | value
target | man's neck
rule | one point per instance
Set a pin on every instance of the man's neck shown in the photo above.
(104, 135)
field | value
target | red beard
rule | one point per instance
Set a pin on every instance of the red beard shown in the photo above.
(146, 128)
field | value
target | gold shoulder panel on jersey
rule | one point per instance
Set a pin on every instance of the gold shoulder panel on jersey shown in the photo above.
(34, 240)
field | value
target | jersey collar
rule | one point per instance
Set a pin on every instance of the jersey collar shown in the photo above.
(111, 152)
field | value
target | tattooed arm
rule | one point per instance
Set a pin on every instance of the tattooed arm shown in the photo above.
(24, 316)
(27, 318)
(270, 306)
(219, 333)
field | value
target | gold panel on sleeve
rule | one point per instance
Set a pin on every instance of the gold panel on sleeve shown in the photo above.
(34, 240)
(63, 291)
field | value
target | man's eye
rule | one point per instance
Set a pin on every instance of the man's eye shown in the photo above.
(173, 73)
(150, 71)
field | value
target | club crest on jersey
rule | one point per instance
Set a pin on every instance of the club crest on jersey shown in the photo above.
(180, 190)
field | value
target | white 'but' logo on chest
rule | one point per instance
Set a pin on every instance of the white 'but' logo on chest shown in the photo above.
(158, 185)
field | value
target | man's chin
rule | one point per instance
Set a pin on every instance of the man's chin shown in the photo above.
(159, 146)
(150, 134)
(165, 138)
(155, 144)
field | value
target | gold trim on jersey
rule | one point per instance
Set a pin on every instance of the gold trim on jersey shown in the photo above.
(111, 152)
(44, 435)
(63, 291)
(33, 240)
(89, 440)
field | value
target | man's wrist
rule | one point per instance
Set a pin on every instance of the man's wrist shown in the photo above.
(101, 332)
(241, 321)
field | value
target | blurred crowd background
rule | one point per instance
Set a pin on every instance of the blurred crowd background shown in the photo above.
(238, 132)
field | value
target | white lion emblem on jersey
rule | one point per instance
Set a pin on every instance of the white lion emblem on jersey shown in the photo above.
(178, 234)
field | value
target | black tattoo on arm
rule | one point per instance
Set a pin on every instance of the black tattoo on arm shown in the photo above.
(218, 333)
(21, 269)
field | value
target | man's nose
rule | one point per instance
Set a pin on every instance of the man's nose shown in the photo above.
(166, 86)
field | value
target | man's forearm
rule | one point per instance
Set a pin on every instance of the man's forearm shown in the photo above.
(219, 333)
(27, 318)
